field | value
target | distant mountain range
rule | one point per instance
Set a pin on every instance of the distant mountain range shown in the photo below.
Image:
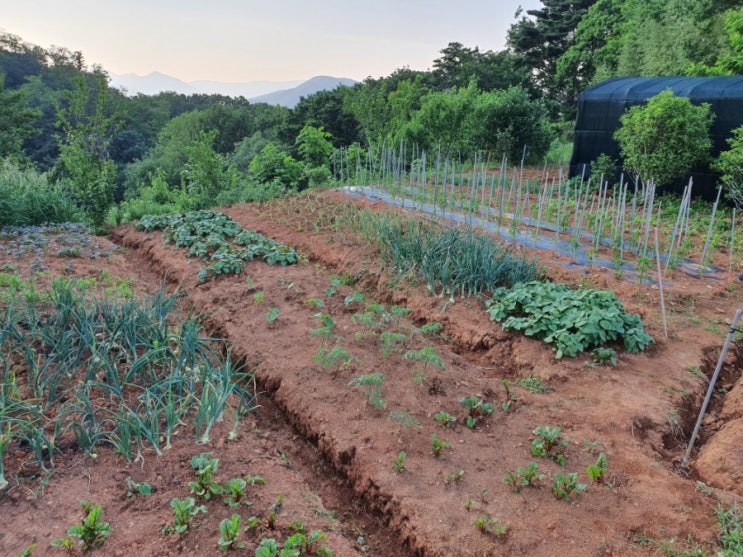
(284, 93)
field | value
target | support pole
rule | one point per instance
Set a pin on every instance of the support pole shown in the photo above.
(711, 388)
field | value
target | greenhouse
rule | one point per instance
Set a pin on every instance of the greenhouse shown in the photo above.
(601, 106)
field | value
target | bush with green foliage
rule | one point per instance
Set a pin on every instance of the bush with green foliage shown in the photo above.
(664, 138)
(730, 166)
(273, 166)
(572, 320)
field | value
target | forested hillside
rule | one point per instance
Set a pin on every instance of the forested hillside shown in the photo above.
(59, 116)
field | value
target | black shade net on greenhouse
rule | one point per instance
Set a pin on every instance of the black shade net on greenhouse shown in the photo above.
(601, 106)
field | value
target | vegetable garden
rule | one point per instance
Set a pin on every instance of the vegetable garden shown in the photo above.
(324, 375)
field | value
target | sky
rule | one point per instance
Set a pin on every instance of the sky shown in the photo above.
(267, 40)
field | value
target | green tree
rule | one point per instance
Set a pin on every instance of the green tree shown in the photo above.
(84, 161)
(664, 138)
(16, 120)
(730, 166)
(543, 37)
(205, 174)
(314, 146)
(273, 166)
(509, 122)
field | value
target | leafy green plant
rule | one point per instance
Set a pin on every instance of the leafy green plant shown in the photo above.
(91, 532)
(547, 441)
(184, 510)
(372, 382)
(133, 488)
(234, 490)
(438, 445)
(337, 357)
(533, 384)
(489, 525)
(272, 314)
(205, 467)
(355, 298)
(446, 419)
(572, 320)
(229, 530)
(477, 409)
(454, 477)
(523, 477)
(565, 485)
(399, 463)
(428, 356)
(597, 471)
(390, 341)
(604, 356)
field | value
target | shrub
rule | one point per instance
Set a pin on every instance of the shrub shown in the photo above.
(730, 166)
(665, 138)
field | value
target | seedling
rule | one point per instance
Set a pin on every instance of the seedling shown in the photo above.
(533, 384)
(477, 409)
(235, 491)
(274, 510)
(438, 445)
(489, 525)
(596, 472)
(337, 357)
(564, 485)
(432, 329)
(427, 355)
(91, 532)
(355, 298)
(390, 340)
(510, 397)
(254, 480)
(326, 330)
(134, 488)
(314, 302)
(184, 510)
(523, 477)
(402, 417)
(548, 439)
(373, 387)
(447, 420)
(604, 356)
(454, 477)
(399, 463)
(272, 314)
(259, 296)
(399, 313)
(204, 486)
(229, 529)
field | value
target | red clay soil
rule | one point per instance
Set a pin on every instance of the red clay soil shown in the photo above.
(329, 450)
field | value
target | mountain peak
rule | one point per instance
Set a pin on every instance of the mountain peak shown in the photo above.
(284, 93)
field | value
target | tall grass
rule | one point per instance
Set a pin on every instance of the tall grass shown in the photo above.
(28, 198)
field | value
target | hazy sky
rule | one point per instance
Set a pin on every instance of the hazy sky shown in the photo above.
(251, 40)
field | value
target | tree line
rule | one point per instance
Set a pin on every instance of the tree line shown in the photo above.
(59, 117)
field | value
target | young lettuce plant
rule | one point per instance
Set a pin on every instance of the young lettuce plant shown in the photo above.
(184, 511)
(229, 529)
(91, 532)
(205, 467)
